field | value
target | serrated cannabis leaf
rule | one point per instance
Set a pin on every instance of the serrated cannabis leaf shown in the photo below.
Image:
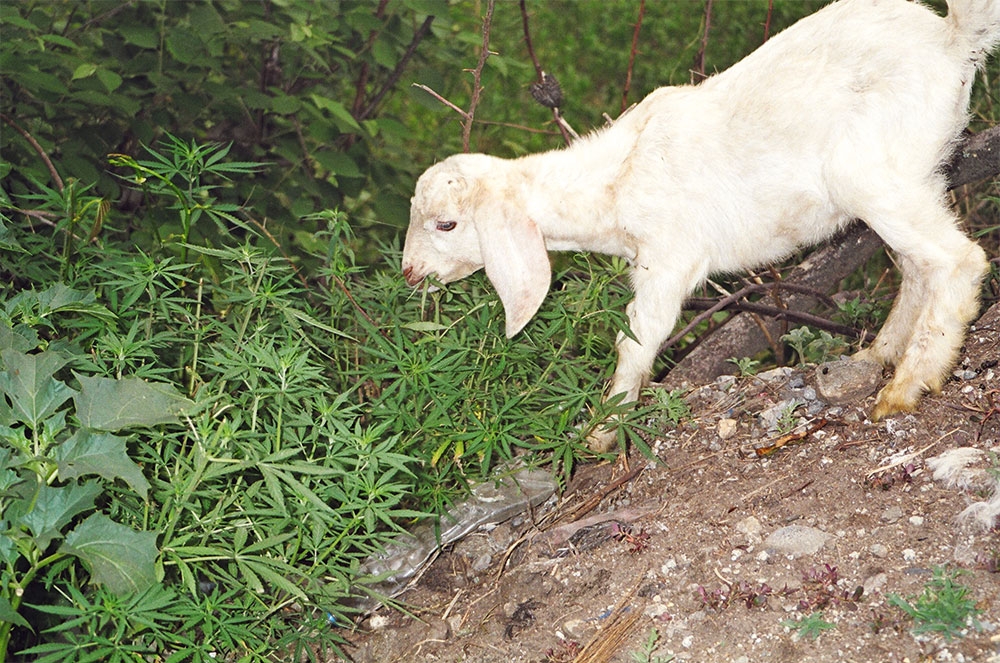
(8, 614)
(118, 557)
(107, 404)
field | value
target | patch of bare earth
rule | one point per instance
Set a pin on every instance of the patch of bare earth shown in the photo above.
(680, 545)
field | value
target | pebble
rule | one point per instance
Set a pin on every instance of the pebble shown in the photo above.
(726, 428)
(878, 550)
(909, 555)
(847, 380)
(796, 540)
(916, 521)
(752, 528)
(891, 515)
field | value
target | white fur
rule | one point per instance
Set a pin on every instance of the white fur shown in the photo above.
(957, 468)
(847, 114)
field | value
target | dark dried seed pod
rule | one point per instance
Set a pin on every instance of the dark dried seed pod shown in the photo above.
(547, 91)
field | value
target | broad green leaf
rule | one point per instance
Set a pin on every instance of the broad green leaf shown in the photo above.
(143, 36)
(60, 297)
(119, 558)
(85, 70)
(21, 338)
(341, 116)
(429, 7)
(9, 615)
(338, 163)
(107, 404)
(103, 454)
(110, 79)
(54, 507)
(34, 394)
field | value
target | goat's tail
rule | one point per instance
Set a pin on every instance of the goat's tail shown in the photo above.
(977, 23)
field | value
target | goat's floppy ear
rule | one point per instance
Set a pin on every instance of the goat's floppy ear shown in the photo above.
(516, 261)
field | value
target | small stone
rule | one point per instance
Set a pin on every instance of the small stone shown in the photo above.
(909, 555)
(878, 550)
(482, 562)
(891, 515)
(577, 628)
(796, 540)
(847, 380)
(752, 528)
(916, 521)
(875, 583)
(726, 428)
(377, 622)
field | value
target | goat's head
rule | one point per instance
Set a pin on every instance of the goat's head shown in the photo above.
(464, 216)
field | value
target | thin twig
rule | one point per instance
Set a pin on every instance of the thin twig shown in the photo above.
(699, 59)
(632, 53)
(527, 40)
(568, 133)
(463, 113)
(730, 300)
(767, 21)
(477, 77)
(397, 72)
(38, 148)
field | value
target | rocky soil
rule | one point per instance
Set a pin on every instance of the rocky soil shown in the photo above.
(753, 517)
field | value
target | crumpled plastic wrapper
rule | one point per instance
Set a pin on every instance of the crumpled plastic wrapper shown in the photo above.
(489, 503)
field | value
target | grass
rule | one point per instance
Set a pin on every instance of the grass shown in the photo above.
(944, 607)
(810, 627)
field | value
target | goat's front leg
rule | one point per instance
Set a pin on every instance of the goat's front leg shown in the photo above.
(651, 314)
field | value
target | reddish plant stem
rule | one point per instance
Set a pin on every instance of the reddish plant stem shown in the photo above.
(527, 40)
(767, 21)
(631, 57)
(477, 77)
(699, 60)
(38, 148)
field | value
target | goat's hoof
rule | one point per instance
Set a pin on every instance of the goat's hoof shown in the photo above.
(889, 403)
(602, 440)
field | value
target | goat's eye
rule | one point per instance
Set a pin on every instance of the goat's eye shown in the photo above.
(446, 226)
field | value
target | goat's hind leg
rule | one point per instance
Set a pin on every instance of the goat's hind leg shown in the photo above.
(942, 272)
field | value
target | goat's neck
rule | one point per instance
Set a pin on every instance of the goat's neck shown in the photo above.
(570, 194)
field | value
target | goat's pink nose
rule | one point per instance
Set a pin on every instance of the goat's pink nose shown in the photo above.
(411, 279)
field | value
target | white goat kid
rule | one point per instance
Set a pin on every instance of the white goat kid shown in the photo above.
(847, 114)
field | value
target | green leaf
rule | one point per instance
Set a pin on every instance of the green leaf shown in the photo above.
(119, 558)
(143, 36)
(103, 454)
(54, 507)
(62, 298)
(429, 7)
(85, 70)
(338, 163)
(28, 382)
(110, 79)
(9, 615)
(341, 116)
(107, 404)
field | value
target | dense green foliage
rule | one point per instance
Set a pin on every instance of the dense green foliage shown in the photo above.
(207, 353)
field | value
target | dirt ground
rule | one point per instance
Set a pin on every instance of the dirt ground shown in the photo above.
(678, 550)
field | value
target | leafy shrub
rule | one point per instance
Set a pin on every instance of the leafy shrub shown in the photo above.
(323, 407)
